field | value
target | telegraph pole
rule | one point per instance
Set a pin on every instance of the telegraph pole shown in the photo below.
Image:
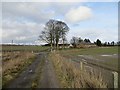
(11, 45)
(12, 42)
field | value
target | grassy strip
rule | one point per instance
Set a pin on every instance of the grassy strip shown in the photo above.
(13, 67)
(71, 76)
(23, 48)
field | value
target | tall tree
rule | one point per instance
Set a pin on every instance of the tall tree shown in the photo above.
(61, 30)
(80, 40)
(113, 43)
(54, 31)
(47, 34)
(98, 42)
(87, 41)
(74, 41)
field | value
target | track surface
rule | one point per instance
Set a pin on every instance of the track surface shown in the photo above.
(48, 77)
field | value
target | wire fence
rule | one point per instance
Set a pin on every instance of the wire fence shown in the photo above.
(109, 76)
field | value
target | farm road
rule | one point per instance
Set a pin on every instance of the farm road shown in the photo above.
(48, 77)
(26, 78)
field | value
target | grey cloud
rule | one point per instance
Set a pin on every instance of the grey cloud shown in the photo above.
(23, 22)
(26, 32)
(26, 11)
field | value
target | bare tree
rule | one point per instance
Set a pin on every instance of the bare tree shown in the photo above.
(47, 34)
(87, 41)
(61, 31)
(74, 41)
(54, 31)
(80, 40)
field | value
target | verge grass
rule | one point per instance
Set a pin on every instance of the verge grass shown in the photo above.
(71, 76)
(13, 66)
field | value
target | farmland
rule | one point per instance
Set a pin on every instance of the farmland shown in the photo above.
(23, 48)
(72, 76)
(15, 62)
(22, 64)
(59, 44)
(102, 60)
(103, 55)
(16, 59)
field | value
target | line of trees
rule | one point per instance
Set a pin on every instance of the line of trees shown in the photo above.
(77, 40)
(99, 43)
(56, 31)
(53, 32)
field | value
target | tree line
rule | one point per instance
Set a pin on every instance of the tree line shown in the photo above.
(56, 31)
(77, 40)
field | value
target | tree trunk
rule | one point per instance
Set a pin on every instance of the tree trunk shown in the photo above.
(51, 47)
(63, 44)
(51, 44)
(57, 44)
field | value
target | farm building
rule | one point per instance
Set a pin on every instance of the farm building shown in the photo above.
(85, 45)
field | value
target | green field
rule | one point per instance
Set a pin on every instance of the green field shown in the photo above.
(23, 48)
(97, 54)
(15, 62)
(91, 51)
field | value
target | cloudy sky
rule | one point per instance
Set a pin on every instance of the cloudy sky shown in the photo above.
(23, 21)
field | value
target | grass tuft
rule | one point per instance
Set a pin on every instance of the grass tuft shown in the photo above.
(12, 67)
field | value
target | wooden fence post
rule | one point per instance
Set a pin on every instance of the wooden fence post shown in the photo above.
(115, 74)
(81, 65)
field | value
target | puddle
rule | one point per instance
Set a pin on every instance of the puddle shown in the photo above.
(106, 55)
(80, 55)
(109, 55)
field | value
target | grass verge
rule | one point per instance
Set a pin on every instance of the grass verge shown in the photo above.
(71, 76)
(14, 66)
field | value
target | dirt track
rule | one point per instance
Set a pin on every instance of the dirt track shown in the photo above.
(26, 78)
(48, 77)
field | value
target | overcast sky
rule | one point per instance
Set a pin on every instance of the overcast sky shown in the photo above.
(23, 21)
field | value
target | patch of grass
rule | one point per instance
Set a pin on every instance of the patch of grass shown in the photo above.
(23, 48)
(13, 66)
(71, 76)
(96, 53)
(109, 61)
(90, 51)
